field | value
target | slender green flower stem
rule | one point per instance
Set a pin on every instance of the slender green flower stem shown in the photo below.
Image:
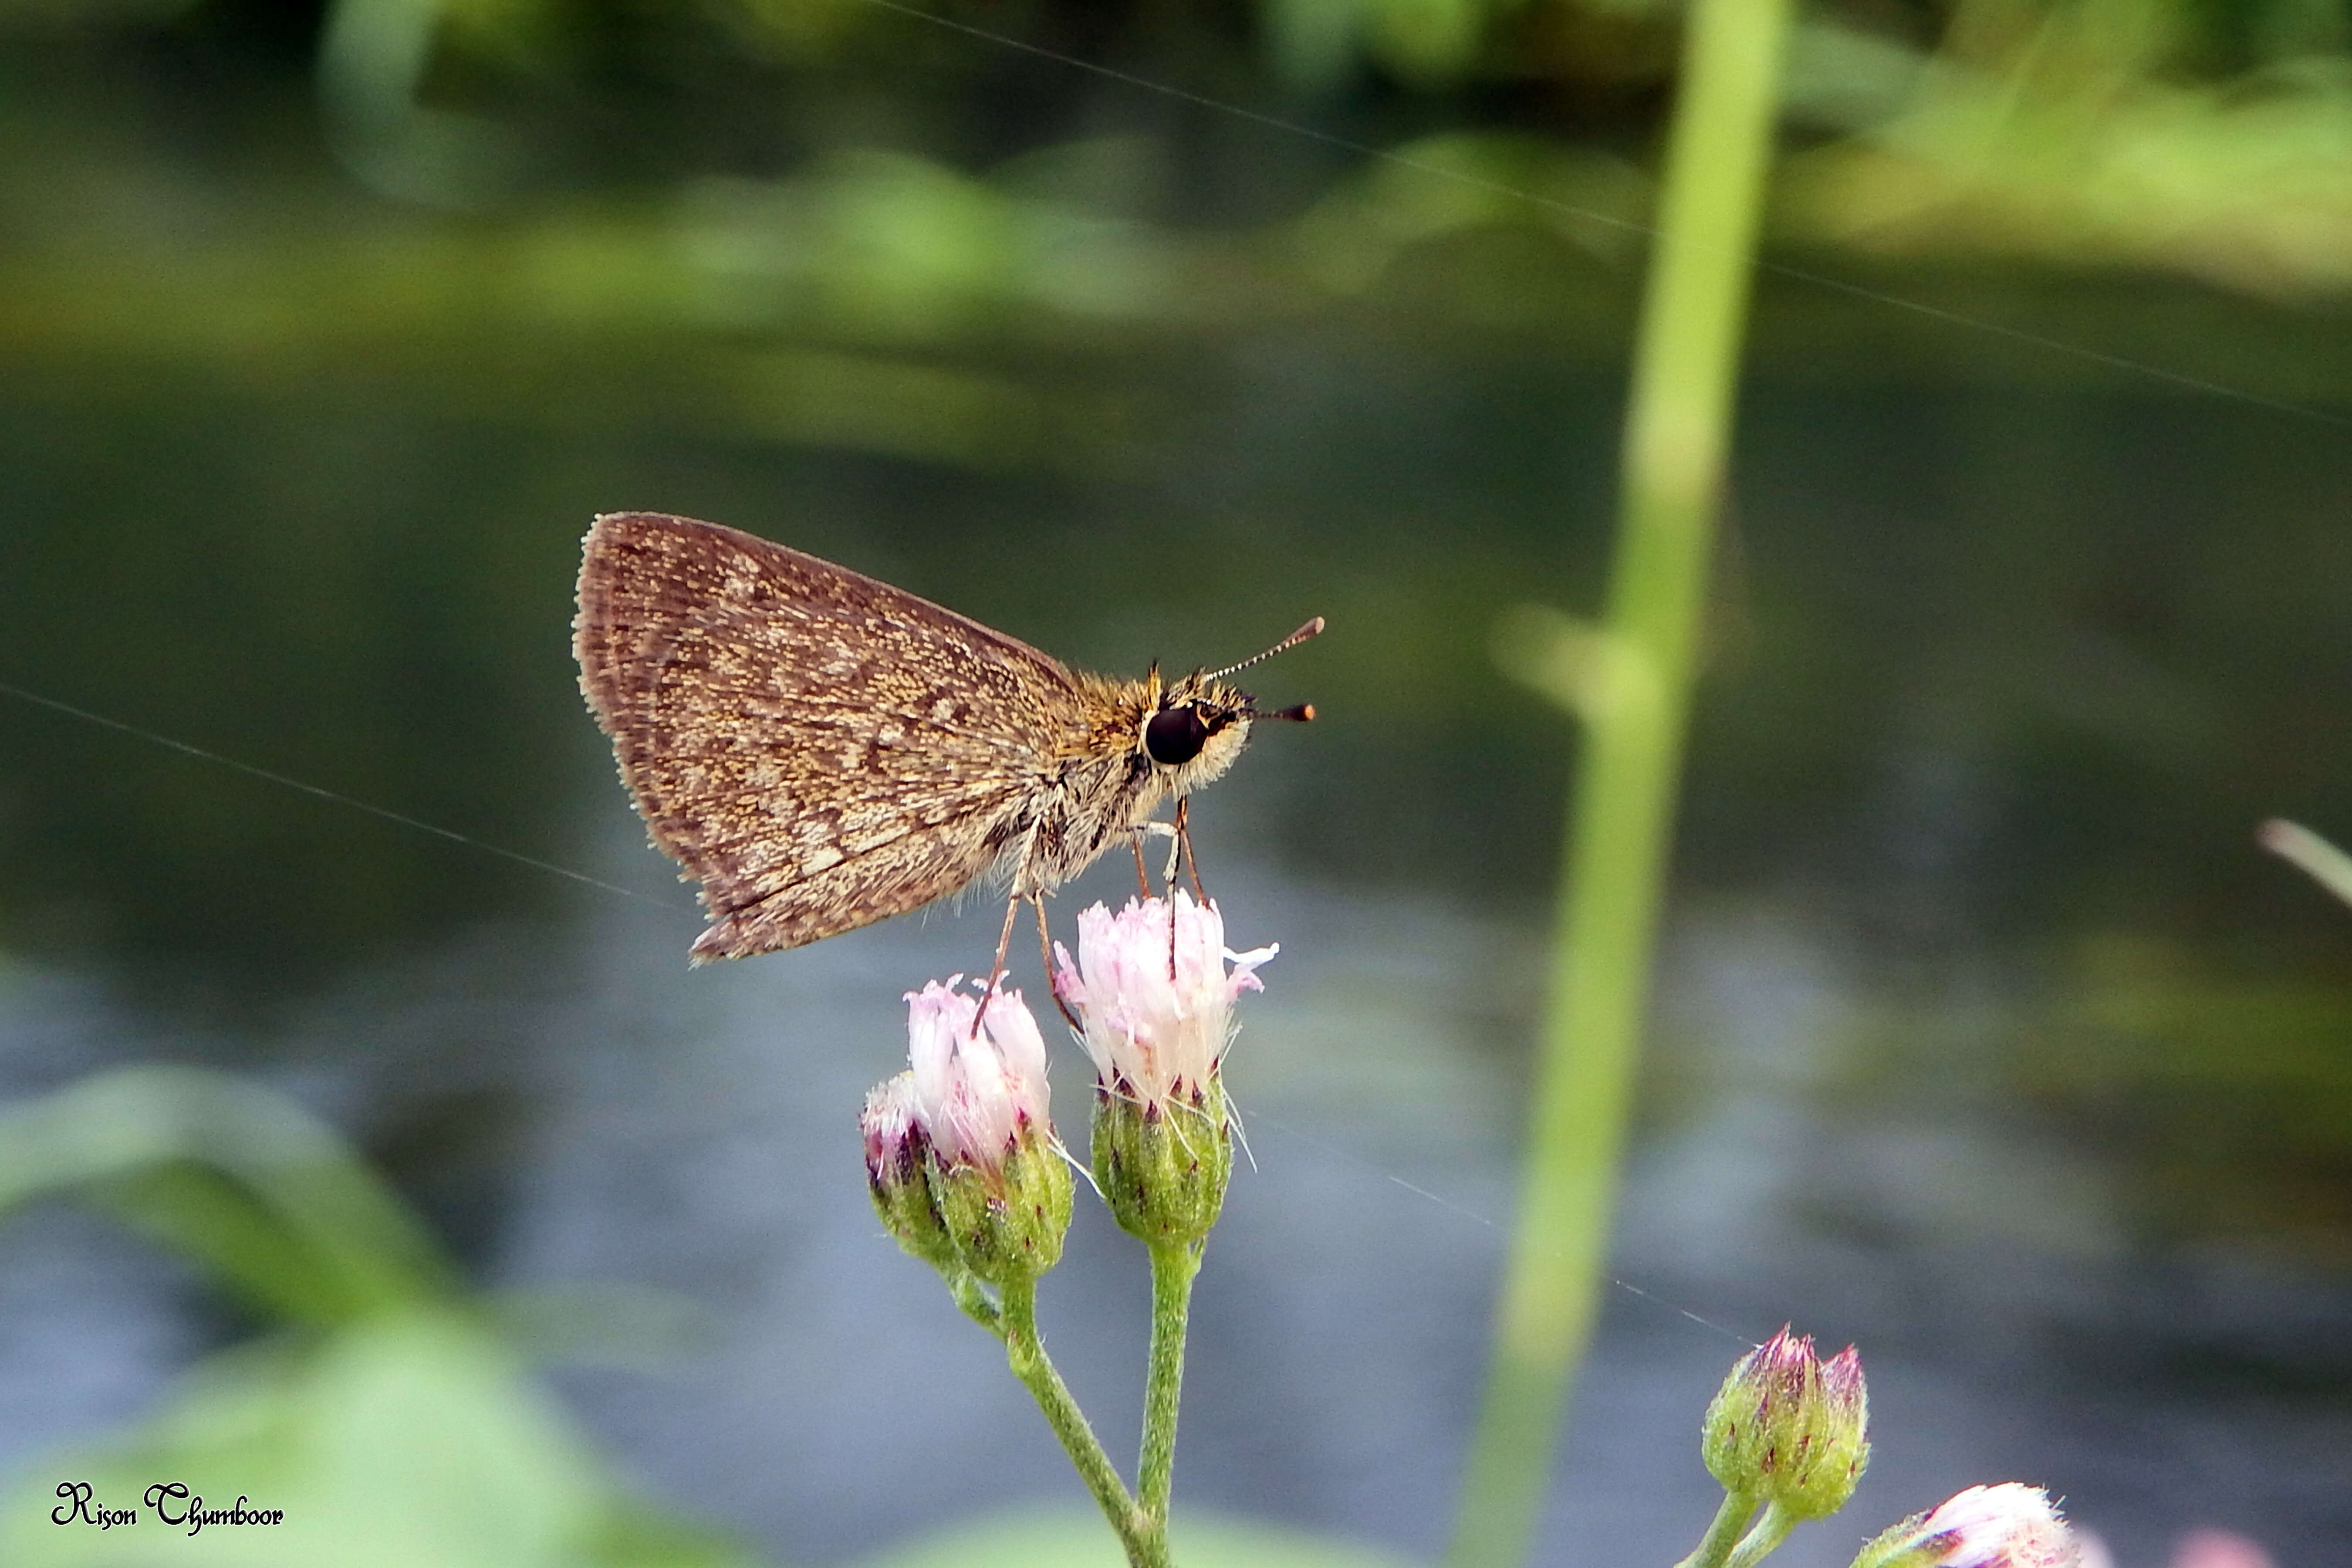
(2320, 860)
(1144, 1538)
(1677, 436)
(1173, 1267)
(972, 1299)
(1724, 1534)
(1765, 1538)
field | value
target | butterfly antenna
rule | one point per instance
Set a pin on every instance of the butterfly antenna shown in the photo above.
(1293, 641)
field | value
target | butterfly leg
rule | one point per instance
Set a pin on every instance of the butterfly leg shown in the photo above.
(996, 973)
(1184, 842)
(1175, 852)
(1154, 830)
(1004, 938)
(1142, 877)
(1045, 955)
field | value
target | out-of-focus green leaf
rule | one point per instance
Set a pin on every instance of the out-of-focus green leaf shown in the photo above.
(1314, 43)
(407, 1435)
(2078, 153)
(59, 15)
(901, 249)
(243, 1179)
(1425, 190)
(802, 30)
(1061, 1538)
(411, 1440)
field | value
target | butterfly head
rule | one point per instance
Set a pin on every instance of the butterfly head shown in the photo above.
(1197, 725)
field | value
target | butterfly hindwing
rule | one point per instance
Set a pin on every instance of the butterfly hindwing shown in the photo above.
(818, 749)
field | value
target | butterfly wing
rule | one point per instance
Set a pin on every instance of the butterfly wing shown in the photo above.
(817, 749)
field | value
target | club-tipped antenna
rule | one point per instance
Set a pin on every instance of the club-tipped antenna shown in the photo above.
(1293, 641)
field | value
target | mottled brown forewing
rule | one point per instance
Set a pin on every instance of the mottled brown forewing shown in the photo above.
(818, 749)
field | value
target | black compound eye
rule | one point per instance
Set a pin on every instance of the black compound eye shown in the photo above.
(1175, 736)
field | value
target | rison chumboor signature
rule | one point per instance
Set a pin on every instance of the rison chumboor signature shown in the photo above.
(171, 1501)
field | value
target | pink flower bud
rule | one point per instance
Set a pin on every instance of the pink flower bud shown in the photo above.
(1791, 1429)
(2010, 1525)
(1156, 1037)
(897, 1173)
(973, 1094)
(894, 1145)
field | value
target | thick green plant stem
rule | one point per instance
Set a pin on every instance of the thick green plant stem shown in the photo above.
(1722, 1535)
(1173, 1267)
(1635, 708)
(1144, 1538)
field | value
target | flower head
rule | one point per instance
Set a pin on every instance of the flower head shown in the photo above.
(1157, 1031)
(974, 1090)
(896, 1161)
(2010, 1525)
(1155, 1001)
(1789, 1428)
(963, 1164)
(894, 1144)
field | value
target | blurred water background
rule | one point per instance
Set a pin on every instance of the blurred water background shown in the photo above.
(1986, 1039)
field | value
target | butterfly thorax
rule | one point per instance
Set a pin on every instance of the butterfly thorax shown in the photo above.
(1134, 746)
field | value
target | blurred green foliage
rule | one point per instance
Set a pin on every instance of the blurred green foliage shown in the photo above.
(2232, 1094)
(1069, 1540)
(2085, 135)
(385, 1414)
